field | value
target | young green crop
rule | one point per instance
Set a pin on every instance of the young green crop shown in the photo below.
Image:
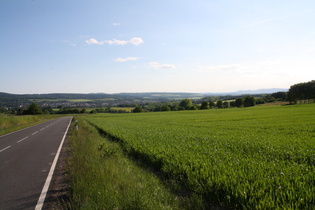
(253, 158)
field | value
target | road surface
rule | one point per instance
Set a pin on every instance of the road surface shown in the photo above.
(26, 159)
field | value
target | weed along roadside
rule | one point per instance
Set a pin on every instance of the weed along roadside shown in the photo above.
(76, 124)
(103, 177)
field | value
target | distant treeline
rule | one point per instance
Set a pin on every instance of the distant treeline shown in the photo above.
(21, 105)
(209, 103)
(302, 91)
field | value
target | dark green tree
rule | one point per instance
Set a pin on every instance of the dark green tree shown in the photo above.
(211, 104)
(260, 101)
(249, 101)
(138, 109)
(219, 104)
(166, 108)
(239, 102)
(185, 104)
(280, 95)
(226, 104)
(33, 109)
(193, 108)
(301, 91)
(204, 105)
(269, 98)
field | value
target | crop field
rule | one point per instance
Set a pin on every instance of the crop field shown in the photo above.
(248, 158)
(126, 109)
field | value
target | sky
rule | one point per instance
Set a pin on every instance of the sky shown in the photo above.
(114, 46)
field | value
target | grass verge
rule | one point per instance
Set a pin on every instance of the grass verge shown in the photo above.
(10, 123)
(102, 177)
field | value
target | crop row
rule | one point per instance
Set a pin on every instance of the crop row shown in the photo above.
(255, 158)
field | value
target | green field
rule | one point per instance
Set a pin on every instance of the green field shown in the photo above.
(126, 109)
(10, 123)
(252, 158)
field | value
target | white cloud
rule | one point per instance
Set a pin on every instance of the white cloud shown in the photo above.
(93, 41)
(126, 59)
(116, 42)
(116, 24)
(228, 68)
(220, 68)
(268, 67)
(134, 41)
(279, 18)
(156, 65)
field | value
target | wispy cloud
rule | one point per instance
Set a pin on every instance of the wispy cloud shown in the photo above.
(116, 24)
(126, 59)
(157, 65)
(133, 41)
(221, 68)
(278, 18)
(256, 68)
(93, 41)
(229, 68)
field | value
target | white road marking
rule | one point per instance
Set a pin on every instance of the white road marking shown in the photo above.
(34, 133)
(43, 194)
(24, 129)
(5, 148)
(22, 139)
(42, 129)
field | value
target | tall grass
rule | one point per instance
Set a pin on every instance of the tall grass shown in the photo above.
(10, 123)
(102, 177)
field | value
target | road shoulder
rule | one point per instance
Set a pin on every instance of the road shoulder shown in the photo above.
(59, 190)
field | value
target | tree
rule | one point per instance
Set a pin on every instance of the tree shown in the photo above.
(193, 108)
(185, 104)
(220, 104)
(226, 104)
(138, 109)
(211, 104)
(301, 91)
(239, 102)
(204, 105)
(269, 98)
(47, 110)
(166, 108)
(260, 101)
(249, 101)
(33, 109)
(280, 95)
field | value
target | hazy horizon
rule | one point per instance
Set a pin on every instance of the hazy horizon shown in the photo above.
(234, 92)
(155, 46)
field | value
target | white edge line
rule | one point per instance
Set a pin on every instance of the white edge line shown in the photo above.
(43, 194)
(5, 148)
(27, 127)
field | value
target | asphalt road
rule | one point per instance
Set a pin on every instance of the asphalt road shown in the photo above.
(26, 158)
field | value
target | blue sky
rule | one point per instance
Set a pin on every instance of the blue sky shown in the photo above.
(76, 46)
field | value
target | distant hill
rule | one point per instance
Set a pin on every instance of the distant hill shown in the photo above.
(104, 99)
(249, 92)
